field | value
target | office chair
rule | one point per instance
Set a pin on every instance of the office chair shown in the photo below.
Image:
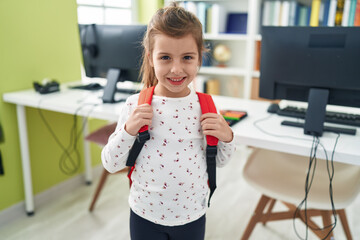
(100, 137)
(281, 177)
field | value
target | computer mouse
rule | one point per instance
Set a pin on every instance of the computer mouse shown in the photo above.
(273, 108)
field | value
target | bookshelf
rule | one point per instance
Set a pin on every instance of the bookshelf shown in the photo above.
(235, 79)
(314, 13)
(329, 13)
(240, 77)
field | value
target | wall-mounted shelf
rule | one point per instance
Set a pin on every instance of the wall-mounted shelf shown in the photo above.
(226, 71)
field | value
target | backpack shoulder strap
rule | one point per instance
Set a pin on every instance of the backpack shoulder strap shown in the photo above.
(207, 105)
(143, 135)
(146, 97)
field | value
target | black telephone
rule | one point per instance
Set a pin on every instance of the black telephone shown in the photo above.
(48, 87)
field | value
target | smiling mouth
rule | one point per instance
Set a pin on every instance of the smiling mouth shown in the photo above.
(177, 81)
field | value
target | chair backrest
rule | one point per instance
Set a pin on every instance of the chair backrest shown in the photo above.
(101, 135)
(282, 176)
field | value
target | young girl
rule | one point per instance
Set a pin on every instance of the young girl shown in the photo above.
(168, 195)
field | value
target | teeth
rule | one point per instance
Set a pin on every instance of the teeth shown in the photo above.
(176, 80)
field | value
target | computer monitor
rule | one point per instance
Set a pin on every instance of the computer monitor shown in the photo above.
(113, 52)
(316, 64)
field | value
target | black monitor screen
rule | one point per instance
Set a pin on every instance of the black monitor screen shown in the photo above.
(296, 59)
(107, 47)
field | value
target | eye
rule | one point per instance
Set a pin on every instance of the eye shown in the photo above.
(165, 58)
(188, 57)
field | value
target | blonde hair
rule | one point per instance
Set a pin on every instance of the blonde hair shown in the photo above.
(173, 21)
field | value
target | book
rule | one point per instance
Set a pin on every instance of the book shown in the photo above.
(321, 13)
(345, 17)
(357, 14)
(303, 16)
(201, 14)
(272, 13)
(236, 23)
(254, 89)
(297, 14)
(233, 116)
(280, 14)
(339, 12)
(218, 19)
(332, 13)
(208, 19)
(308, 15)
(257, 55)
(266, 13)
(285, 12)
(212, 86)
(292, 13)
(352, 12)
(191, 7)
(315, 12)
(325, 17)
(276, 13)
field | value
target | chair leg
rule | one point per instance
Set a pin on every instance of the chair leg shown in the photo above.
(257, 215)
(326, 217)
(344, 223)
(311, 224)
(99, 187)
(269, 210)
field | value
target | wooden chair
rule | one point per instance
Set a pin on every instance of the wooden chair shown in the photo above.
(281, 177)
(100, 137)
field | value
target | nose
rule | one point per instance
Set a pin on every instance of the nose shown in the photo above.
(177, 67)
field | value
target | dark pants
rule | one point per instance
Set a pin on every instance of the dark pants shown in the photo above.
(142, 229)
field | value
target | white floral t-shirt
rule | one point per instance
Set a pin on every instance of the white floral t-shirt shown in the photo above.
(170, 182)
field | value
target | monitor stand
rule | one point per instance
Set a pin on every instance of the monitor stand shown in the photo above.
(316, 111)
(112, 77)
(315, 115)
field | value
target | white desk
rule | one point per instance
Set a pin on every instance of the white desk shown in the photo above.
(347, 149)
(68, 101)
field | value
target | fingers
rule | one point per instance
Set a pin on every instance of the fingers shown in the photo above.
(141, 116)
(215, 125)
(144, 108)
(211, 125)
(208, 115)
(143, 111)
(211, 121)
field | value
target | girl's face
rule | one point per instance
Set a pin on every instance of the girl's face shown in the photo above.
(175, 62)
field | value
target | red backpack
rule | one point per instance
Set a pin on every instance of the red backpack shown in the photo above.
(207, 105)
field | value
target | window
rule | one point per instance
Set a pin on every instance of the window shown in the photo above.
(106, 11)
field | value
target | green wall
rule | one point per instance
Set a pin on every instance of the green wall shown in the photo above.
(147, 8)
(39, 39)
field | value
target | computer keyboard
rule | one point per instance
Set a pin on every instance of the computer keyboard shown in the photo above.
(97, 86)
(331, 117)
(90, 86)
(127, 90)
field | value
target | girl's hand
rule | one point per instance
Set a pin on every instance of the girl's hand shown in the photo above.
(215, 125)
(141, 116)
